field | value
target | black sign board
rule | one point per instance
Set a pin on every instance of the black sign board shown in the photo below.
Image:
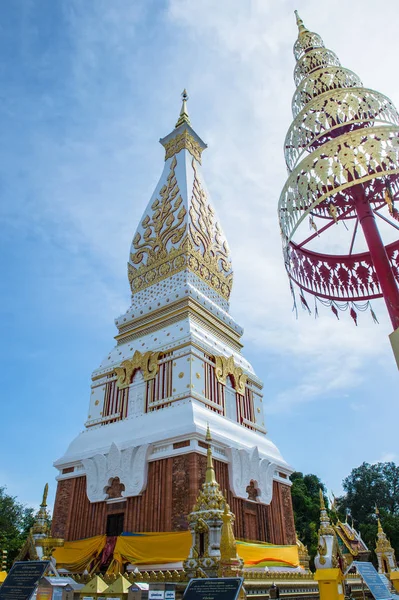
(223, 588)
(21, 581)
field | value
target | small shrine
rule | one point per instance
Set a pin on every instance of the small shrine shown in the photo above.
(39, 544)
(213, 548)
(384, 551)
(350, 543)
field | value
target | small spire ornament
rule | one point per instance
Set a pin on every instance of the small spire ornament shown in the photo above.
(299, 22)
(183, 117)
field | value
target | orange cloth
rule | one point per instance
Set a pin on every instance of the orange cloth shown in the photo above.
(77, 556)
(162, 548)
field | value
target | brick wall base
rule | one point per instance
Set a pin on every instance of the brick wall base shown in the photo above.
(172, 489)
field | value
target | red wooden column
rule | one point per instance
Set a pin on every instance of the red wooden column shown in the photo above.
(378, 254)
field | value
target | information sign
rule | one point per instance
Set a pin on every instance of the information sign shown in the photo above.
(21, 581)
(156, 595)
(223, 588)
(377, 584)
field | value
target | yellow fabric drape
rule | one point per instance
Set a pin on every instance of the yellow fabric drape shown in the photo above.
(162, 548)
(263, 555)
(76, 556)
(155, 548)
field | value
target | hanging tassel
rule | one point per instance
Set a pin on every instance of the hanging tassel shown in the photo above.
(316, 310)
(389, 199)
(304, 303)
(294, 307)
(374, 316)
(353, 314)
(332, 210)
(334, 311)
(312, 224)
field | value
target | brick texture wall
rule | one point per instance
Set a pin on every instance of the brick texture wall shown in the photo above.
(171, 492)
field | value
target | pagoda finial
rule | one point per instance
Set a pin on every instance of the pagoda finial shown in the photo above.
(183, 117)
(45, 494)
(210, 476)
(299, 22)
(322, 505)
(377, 512)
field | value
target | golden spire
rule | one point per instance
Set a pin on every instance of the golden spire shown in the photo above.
(377, 512)
(301, 27)
(45, 494)
(41, 523)
(322, 505)
(210, 476)
(183, 117)
(325, 525)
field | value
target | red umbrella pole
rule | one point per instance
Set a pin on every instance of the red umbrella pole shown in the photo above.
(378, 254)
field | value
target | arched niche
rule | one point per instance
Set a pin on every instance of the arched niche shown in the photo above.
(230, 401)
(137, 390)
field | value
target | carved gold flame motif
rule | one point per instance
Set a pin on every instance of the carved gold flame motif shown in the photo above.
(147, 362)
(224, 367)
(165, 226)
(172, 241)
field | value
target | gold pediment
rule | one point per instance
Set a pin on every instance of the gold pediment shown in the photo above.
(147, 362)
(225, 367)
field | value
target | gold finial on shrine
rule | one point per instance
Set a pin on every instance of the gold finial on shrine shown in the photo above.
(322, 505)
(377, 512)
(301, 27)
(183, 117)
(210, 476)
(45, 494)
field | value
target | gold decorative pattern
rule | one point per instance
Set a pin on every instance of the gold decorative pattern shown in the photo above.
(315, 59)
(383, 544)
(330, 111)
(321, 81)
(165, 226)
(171, 242)
(205, 231)
(183, 141)
(147, 362)
(306, 41)
(224, 367)
(354, 157)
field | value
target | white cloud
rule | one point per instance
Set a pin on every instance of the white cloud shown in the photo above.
(246, 174)
(83, 184)
(387, 457)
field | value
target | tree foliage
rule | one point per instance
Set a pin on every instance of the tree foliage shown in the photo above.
(305, 492)
(369, 486)
(15, 522)
(365, 488)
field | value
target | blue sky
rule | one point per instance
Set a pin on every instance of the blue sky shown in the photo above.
(87, 89)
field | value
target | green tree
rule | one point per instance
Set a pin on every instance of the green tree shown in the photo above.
(369, 486)
(15, 522)
(305, 492)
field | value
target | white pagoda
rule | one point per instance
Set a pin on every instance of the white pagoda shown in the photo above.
(176, 367)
